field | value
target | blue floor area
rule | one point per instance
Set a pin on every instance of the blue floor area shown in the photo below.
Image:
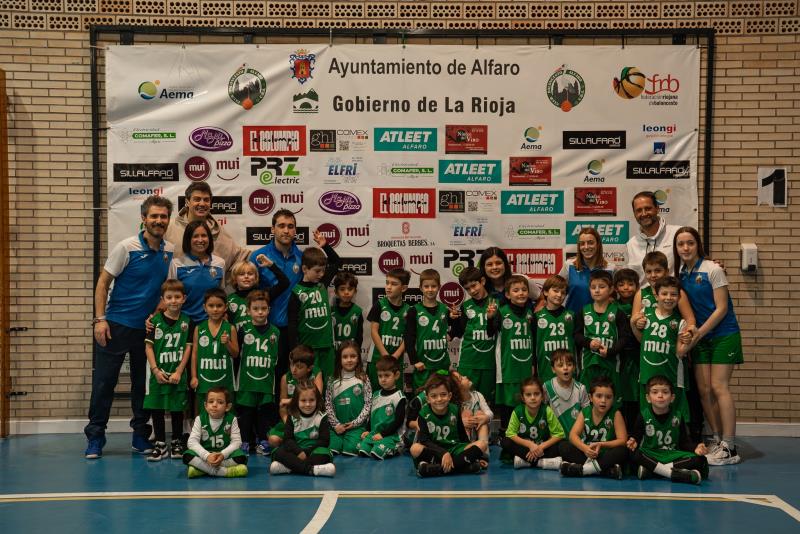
(54, 464)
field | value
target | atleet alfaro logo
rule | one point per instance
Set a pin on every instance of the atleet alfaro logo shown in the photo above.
(405, 140)
(565, 88)
(532, 201)
(247, 87)
(470, 171)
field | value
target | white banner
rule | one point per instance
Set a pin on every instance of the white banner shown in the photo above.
(412, 156)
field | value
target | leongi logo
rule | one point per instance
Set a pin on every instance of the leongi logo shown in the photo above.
(390, 260)
(261, 202)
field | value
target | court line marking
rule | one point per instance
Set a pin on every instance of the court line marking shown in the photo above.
(324, 512)
(770, 501)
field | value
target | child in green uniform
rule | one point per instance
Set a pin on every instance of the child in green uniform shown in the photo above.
(348, 398)
(426, 331)
(214, 446)
(309, 310)
(659, 440)
(442, 445)
(534, 433)
(565, 395)
(469, 322)
(387, 414)
(244, 278)
(554, 326)
(475, 412)
(388, 318)
(513, 323)
(348, 321)
(598, 437)
(601, 332)
(301, 369)
(255, 384)
(305, 447)
(626, 285)
(213, 347)
(663, 351)
(168, 348)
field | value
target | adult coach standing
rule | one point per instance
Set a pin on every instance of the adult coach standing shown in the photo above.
(654, 233)
(137, 266)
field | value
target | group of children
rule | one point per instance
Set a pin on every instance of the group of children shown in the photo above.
(517, 359)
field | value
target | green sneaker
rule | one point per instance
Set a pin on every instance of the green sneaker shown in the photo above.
(238, 470)
(194, 472)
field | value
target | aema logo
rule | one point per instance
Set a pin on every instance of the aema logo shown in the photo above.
(470, 171)
(150, 91)
(532, 201)
(612, 232)
(405, 140)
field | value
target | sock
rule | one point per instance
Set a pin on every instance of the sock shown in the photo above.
(549, 463)
(665, 470)
(590, 467)
(731, 441)
(715, 437)
(206, 467)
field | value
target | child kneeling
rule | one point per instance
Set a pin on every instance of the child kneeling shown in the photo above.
(442, 445)
(214, 446)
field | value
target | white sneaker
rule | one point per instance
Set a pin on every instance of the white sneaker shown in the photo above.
(277, 468)
(520, 463)
(550, 463)
(324, 470)
(713, 449)
(724, 456)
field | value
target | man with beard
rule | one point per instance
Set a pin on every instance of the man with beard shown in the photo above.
(137, 266)
(654, 233)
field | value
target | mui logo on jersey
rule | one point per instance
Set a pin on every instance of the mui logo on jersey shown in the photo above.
(612, 232)
(662, 170)
(405, 140)
(470, 171)
(275, 171)
(590, 139)
(301, 65)
(532, 201)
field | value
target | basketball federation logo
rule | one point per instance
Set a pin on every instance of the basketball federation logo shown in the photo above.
(630, 83)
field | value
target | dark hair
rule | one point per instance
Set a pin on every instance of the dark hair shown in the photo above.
(403, 276)
(469, 275)
(500, 253)
(283, 212)
(556, 281)
(217, 292)
(302, 354)
(189, 232)
(601, 274)
(531, 381)
(294, 404)
(155, 200)
(314, 257)
(197, 187)
(255, 295)
(658, 380)
(701, 253)
(667, 281)
(656, 257)
(598, 260)
(337, 365)
(626, 275)
(220, 389)
(172, 285)
(561, 354)
(430, 274)
(387, 363)
(601, 382)
(345, 278)
(446, 379)
(645, 194)
(516, 279)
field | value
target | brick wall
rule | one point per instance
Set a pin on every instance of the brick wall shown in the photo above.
(44, 48)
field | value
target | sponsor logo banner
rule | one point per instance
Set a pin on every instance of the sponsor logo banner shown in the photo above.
(530, 170)
(220, 205)
(586, 139)
(405, 170)
(468, 231)
(357, 266)
(484, 201)
(322, 141)
(518, 232)
(596, 201)
(661, 170)
(274, 140)
(532, 201)
(275, 171)
(340, 203)
(262, 235)
(452, 201)
(466, 139)
(451, 293)
(399, 203)
(535, 263)
(405, 140)
(197, 168)
(331, 233)
(145, 172)
(210, 138)
(412, 296)
(261, 202)
(470, 171)
(612, 232)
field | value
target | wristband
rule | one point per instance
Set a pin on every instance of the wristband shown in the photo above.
(98, 319)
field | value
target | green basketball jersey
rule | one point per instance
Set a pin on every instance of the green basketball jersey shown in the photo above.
(442, 428)
(215, 440)
(237, 310)
(602, 431)
(291, 382)
(566, 410)
(258, 356)
(602, 326)
(306, 429)
(658, 354)
(431, 343)
(348, 398)
(648, 298)
(169, 345)
(391, 328)
(477, 348)
(214, 365)
(661, 439)
(626, 308)
(552, 333)
(534, 428)
(382, 412)
(314, 326)
(514, 352)
(345, 326)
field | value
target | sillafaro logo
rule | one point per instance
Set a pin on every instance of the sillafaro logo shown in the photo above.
(591, 139)
(664, 170)
(532, 201)
(247, 87)
(470, 171)
(630, 83)
(145, 172)
(565, 88)
(612, 232)
(149, 90)
(405, 140)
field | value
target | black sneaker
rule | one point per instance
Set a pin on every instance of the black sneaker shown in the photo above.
(159, 452)
(642, 473)
(571, 470)
(426, 469)
(473, 467)
(689, 476)
(176, 449)
(615, 471)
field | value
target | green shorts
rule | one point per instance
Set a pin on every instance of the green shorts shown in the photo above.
(507, 394)
(174, 401)
(726, 350)
(483, 380)
(278, 429)
(253, 399)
